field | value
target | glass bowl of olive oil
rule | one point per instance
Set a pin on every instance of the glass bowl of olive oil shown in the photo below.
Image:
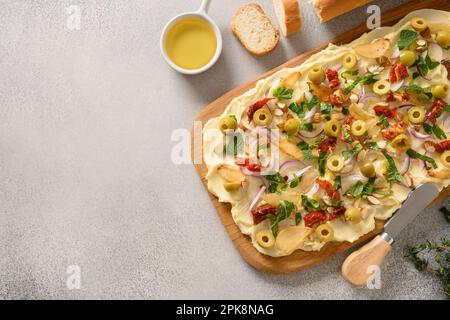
(191, 42)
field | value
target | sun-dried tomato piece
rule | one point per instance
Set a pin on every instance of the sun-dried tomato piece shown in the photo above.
(260, 213)
(333, 78)
(336, 213)
(329, 189)
(394, 130)
(398, 72)
(256, 106)
(442, 146)
(389, 113)
(436, 110)
(254, 167)
(327, 144)
(313, 217)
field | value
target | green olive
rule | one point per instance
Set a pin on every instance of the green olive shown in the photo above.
(265, 238)
(407, 57)
(401, 143)
(292, 126)
(381, 87)
(359, 128)
(232, 186)
(367, 169)
(332, 128)
(335, 163)
(262, 117)
(443, 38)
(416, 115)
(349, 61)
(316, 75)
(324, 233)
(439, 90)
(227, 123)
(419, 24)
(353, 214)
(445, 158)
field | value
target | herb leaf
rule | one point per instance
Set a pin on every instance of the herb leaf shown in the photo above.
(414, 154)
(311, 103)
(284, 210)
(337, 183)
(321, 162)
(347, 154)
(392, 172)
(407, 37)
(369, 187)
(277, 183)
(356, 189)
(306, 151)
(384, 121)
(310, 203)
(297, 109)
(417, 89)
(366, 79)
(283, 93)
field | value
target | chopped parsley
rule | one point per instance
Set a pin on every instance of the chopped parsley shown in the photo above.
(417, 89)
(307, 127)
(298, 218)
(310, 203)
(424, 65)
(359, 189)
(283, 93)
(306, 150)
(414, 154)
(392, 172)
(321, 162)
(295, 182)
(349, 73)
(356, 189)
(284, 211)
(384, 121)
(325, 108)
(347, 136)
(434, 129)
(277, 183)
(366, 79)
(373, 145)
(369, 187)
(347, 154)
(407, 37)
(311, 103)
(337, 183)
(299, 110)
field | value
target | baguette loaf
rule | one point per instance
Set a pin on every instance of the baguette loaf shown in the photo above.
(330, 9)
(288, 14)
(254, 29)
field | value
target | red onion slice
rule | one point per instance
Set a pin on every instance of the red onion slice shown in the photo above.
(308, 95)
(257, 197)
(313, 190)
(312, 134)
(405, 166)
(310, 114)
(299, 173)
(397, 85)
(405, 106)
(418, 135)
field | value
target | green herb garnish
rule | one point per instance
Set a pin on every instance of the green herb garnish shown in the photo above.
(407, 37)
(356, 189)
(321, 162)
(347, 154)
(384, 121)
(349, 73)
(277, 183)
(284, 211)
(337, 183)
(283, 93)
(295, 182)
(299, 110)
(310, 203)
(347, 136)
(366, 79)
(325, 108)
(414, 154)
(417, 89)
(369, 187)
(306, 151)
(311, 103)
(392, 172)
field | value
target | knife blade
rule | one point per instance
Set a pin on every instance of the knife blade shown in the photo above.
(417, 200)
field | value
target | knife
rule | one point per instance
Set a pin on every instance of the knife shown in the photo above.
(355, 268)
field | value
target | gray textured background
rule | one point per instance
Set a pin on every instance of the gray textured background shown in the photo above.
(85, 173)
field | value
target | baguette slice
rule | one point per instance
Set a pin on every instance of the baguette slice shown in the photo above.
(254, 30)
(288, 14)
(330, 9)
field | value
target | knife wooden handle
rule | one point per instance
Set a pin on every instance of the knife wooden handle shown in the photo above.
(356, 267)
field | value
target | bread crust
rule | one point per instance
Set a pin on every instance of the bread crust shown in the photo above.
(330, 9)
(237, 35)
(292, 21)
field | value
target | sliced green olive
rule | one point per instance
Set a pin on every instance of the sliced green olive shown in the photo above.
(443, 38)
(353, 214)
(316, 75)
(445, 158)
(332, 128)
(262, 117)
(419, 24)
(359, 128)
(439, 90)
(381, 87)
(324, 233)
(407, 57)
(367, 169)
(401, 143)
(292, 126)
(416, 115)
(227, 124)
(349, 61)
(335, 163)
(232, 186)
(265, 239)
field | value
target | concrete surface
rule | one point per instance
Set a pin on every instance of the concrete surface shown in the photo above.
(86, 178)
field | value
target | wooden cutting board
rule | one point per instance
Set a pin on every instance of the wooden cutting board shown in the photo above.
(299, 260)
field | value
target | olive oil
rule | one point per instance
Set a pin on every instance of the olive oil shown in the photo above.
(191, 43)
